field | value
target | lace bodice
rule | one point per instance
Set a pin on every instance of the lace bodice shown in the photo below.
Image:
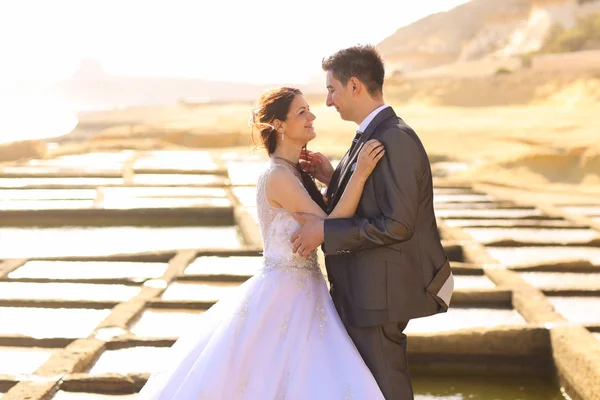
(277, 226)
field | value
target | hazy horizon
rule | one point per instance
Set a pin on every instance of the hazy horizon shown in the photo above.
(260, 42)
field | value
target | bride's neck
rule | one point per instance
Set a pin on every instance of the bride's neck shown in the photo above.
(289, 152)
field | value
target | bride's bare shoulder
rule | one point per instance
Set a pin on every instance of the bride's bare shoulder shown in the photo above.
(280, 176)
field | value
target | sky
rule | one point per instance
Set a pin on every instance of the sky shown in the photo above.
(260, 41)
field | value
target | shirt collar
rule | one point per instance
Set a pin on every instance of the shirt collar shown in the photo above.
(363, 125)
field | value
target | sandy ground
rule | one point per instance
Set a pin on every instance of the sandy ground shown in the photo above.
(538, 147)
(544, 139)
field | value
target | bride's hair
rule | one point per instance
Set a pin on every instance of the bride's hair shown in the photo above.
(275, 105)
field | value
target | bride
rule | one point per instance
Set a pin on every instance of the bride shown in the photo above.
(279, 336)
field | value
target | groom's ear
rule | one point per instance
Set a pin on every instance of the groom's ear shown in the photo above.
(355, 85)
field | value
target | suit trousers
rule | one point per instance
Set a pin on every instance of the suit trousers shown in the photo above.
(383, 347)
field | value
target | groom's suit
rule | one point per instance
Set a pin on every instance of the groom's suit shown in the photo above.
(387, 265)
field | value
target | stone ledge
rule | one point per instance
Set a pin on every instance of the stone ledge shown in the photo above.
(521, 243)
(495, 297)
(32, 390)
(122, 315)
(214, 278)
(6, 384)
(471, 366)
(8, 266)
(178, 264)
(449, 183)
(575, 351)
(163, 256)
(576, 292)
(454, 251)
(500, 341)
(461, 268)
(575, 219)
(22, 150)
(59, 303)
(529, 301)
(149, 256)
(105, 383)
(180, 304)
(170, 171)
(197, 216)
(74, 358)
(577, 358)
(7, 381)
(63, 172)
(127, 342)
(582, 266)
(28, 341)
(104, 281)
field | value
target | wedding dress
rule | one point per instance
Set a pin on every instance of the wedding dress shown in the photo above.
(277, 337)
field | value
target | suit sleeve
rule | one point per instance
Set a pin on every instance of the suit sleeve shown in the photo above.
(396, 180)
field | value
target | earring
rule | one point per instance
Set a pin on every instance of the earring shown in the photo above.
(283, 134)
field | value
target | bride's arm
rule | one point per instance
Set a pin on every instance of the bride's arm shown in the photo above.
(368, 157)
(346, 207)
(285, 191)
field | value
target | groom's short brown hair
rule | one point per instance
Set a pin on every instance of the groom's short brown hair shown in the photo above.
(363, 62)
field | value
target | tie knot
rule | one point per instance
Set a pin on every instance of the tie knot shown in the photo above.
(356, 137)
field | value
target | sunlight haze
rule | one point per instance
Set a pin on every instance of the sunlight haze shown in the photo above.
(254, 42)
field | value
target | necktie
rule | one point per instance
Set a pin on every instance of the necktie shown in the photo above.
(355, 141)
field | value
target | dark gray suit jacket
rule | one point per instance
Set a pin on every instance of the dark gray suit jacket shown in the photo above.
(387, 263)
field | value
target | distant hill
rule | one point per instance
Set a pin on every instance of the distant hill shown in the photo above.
(91, 87)
(440, 38)
(481, 29)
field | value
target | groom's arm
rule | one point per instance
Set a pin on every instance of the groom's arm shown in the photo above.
(397, 179)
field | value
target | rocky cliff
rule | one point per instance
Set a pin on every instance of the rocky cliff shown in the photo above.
(480, 29)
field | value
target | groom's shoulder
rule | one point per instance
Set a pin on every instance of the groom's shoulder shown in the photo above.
(394, 123)
(396, 130)
(398, 137)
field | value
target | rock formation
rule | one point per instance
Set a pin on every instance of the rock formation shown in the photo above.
(480, 29)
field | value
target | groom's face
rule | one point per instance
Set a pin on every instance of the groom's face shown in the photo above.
(339, 96)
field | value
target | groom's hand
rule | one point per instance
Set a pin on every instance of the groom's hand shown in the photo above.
(310, 236)
(317, 165)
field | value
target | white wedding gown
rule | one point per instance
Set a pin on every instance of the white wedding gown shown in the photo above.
(278, 337)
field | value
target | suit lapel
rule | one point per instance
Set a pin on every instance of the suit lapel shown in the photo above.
(350, 159)
(334, 182)
(345, 168)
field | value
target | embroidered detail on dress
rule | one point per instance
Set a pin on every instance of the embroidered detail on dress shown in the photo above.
(283, 389)
(242, 313)
(310, 264)
(348, 394)
(322, 316)
(277, 227)
(243, 384)
(302, 274)
(285, 326)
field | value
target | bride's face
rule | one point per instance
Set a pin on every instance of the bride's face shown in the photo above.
(299, 123)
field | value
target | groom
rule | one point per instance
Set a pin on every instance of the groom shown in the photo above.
(386, 265)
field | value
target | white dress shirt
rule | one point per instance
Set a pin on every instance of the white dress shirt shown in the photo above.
(363, 125)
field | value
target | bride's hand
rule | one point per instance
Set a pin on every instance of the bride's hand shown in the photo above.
(369, 156)
(316, 164)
